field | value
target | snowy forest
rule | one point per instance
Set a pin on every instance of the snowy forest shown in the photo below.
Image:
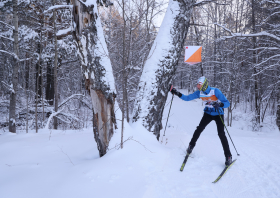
(64, 64)
(86, 108)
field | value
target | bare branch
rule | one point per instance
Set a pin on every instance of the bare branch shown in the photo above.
(66, 155)
(118, 146)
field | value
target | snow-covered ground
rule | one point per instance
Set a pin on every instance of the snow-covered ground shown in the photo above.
(66, 164)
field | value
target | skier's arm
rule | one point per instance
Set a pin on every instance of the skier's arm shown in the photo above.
(222, 98)
(189, 97)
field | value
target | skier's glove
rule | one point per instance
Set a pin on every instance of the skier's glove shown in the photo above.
(177, 93)
(217, 105)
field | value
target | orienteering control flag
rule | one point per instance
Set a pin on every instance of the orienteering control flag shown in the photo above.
(193, 54)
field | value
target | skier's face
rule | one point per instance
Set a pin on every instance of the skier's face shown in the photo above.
(198, 86)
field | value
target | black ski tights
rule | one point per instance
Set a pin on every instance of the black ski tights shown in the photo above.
(206, 119)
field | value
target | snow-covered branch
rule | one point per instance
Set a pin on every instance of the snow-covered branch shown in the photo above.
(268, 59)
(10, 53)
(71, 116)
(51, 116)
(15, 56)
(9, 87)
(20, 60)
(60, 111)
(64, 32)
(7, 38)
(58, 7)
(264, 21)
(277, 2)
(6, 24)
(69, 98)
(204, 2)
(234, 35)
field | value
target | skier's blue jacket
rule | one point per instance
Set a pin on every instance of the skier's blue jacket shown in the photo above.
(209, 95)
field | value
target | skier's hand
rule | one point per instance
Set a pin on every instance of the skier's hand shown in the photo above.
(177, 93)
(217, 105)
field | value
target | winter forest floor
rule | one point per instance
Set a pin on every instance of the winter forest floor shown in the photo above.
(60, 164)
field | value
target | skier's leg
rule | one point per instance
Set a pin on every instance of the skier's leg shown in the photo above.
(222, 135)
(206, 119)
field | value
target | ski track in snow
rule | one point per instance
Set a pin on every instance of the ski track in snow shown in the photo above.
(37, 165)
(264, 167)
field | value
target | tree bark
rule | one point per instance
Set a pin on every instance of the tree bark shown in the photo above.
(255, 61)
(124, 77)
(278, 103)
(49, 84)
(13, 95)
(161, 65)
(97, 69)
(55, 124)
(27, 90)
(37, 93)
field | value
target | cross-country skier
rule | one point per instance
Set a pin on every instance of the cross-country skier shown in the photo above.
(214, 101)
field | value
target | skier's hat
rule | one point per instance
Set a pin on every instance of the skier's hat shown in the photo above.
(204, 82)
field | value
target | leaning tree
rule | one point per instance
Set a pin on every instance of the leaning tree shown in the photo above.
(161, 64)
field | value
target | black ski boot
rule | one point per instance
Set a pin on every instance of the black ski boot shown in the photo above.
(228, 160)
(189, 149)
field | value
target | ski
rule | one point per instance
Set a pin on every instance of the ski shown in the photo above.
(223, 172)
(184, 162)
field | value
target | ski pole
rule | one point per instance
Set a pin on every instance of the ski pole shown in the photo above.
(227, 132)
(169, 111)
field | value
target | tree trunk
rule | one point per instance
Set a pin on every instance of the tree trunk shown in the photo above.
(255, 61)
(49, 84)
(96, 67)
(215, 48)
(278, 102)
(55, 69)
(41, 74)
(13, 96)
(27, 91)
(161, 65)
(124, 77)
(37, 93)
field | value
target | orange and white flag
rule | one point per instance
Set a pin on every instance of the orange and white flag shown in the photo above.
(193, 54)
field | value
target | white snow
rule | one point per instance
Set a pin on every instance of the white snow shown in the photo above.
(60, 164)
